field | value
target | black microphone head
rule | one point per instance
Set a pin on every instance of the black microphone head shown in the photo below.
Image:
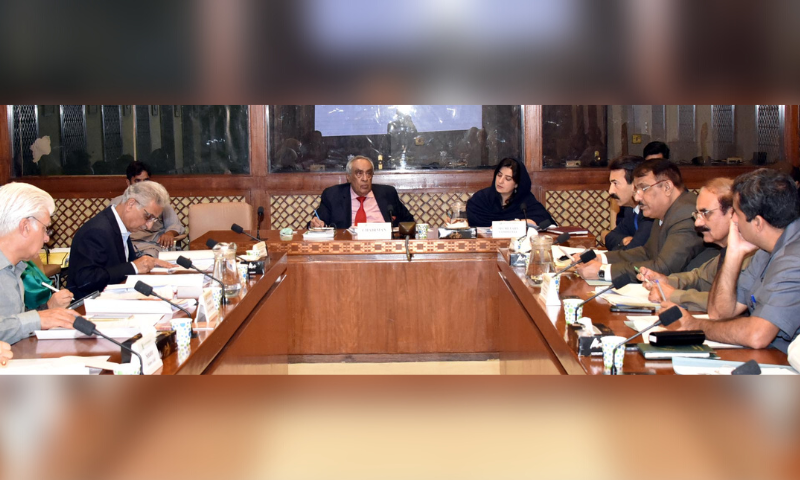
(588, 256)
(621, 280)
(84, 326)
(210, 243)
(143, 288)
(184, 262)
(260, 211)
(237, 228)
(749, 367)
(524, 208)
(563, 238)
(670, 316)
(390, 208)
(543, 225)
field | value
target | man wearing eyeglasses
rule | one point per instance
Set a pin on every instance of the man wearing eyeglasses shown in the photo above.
(161, 234)
(102, 252)
(24, 222)
(360, 201)
(757, 307)
(673, 241)
(712, 219)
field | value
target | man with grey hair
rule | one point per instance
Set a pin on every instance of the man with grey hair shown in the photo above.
(359, 200)
(102, 252)
(24, 222)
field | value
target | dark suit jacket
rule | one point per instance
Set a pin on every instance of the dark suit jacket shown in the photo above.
(335, 206)
(97, 256)
(626, 227)
(671, 246)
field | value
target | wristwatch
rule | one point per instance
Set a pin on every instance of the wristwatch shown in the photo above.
(602, 274)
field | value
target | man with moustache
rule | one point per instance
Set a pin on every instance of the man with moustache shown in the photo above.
(712, 218)
(673, 241)
(359, 201)
(757, 307)
(633, 228)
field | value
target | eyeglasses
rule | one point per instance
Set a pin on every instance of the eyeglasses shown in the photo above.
(644, 189)
(363, 175)
(148, 217)
(703, 213)
(47, 228)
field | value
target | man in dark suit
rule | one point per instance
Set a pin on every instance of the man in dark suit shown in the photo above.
(673, 241)
(633, 228)
(359, 201)
(102, 252)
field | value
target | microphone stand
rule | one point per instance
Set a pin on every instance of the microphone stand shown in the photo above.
(666, 318)
(90, 328)
(186, 263)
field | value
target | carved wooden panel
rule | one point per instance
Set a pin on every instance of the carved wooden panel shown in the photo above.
(583, 208)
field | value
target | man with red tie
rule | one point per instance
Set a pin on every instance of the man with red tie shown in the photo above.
(360, 201)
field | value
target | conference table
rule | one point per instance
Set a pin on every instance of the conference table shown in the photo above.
(249, 335)
(346, 299)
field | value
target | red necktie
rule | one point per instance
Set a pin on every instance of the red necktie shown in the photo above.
(361, 214)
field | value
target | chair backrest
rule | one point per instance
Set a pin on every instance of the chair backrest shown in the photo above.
(204, 217)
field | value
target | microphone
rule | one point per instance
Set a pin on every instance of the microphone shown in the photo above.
(749, 367)
(618, 282)
(524, 209)
(186, 263)
(563, 238)
(390, 211)
(147, 290)
(586, 256)
(89, 328)
(665, 318)
(238, 229)
(260, 219)
(547, 223)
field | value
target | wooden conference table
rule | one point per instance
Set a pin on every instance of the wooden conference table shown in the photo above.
(340, 299)
(251, 338)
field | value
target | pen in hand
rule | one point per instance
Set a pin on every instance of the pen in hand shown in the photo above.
(54, 289)
(663, 298)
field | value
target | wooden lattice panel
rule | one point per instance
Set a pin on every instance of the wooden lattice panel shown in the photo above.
(71, 213)
(580, 208)
(292, 211)
(295, 211)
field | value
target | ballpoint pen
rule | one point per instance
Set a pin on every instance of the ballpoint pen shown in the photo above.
(663, 298)
(54, 289)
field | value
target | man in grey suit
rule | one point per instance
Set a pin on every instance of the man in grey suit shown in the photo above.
(673, 241)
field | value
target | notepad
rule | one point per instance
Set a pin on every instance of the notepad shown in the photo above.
(651, 352)
(68, 365)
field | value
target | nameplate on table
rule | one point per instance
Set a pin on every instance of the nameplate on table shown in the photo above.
(206, 307)
(512, 229)
(146, 347)
(549, 291)
(374, 231)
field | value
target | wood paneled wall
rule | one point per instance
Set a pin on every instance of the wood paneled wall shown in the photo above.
(260, 184)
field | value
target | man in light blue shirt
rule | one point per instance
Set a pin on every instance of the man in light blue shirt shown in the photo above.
(24, 223)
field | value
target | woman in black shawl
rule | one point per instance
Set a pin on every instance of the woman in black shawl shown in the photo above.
(511, 188)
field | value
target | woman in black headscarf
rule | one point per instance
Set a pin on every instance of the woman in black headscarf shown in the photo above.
(511, 188)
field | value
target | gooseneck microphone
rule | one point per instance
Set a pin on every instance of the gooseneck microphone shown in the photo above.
(186, 263)
(563, 238)
(547, 223)
(390, 211)
(665, 318)
(524, 209)
(147, 291)
(586, 256)
(238, 229)
(619, 282)
(260, 219)
(89, 328)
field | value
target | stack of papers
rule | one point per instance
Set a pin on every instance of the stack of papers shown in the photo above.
(641, 322)
(319, 234)
(631, 295)
(705, 366)
(188, 280)
(120, 326)
(58, 366)
(202, 259)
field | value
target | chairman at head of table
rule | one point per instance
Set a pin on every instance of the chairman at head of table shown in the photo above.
(360, 200)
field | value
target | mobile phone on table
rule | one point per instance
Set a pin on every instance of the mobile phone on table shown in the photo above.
(78, 303)
(621, 309)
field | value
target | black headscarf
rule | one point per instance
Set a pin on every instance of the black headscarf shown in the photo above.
(486, 205)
